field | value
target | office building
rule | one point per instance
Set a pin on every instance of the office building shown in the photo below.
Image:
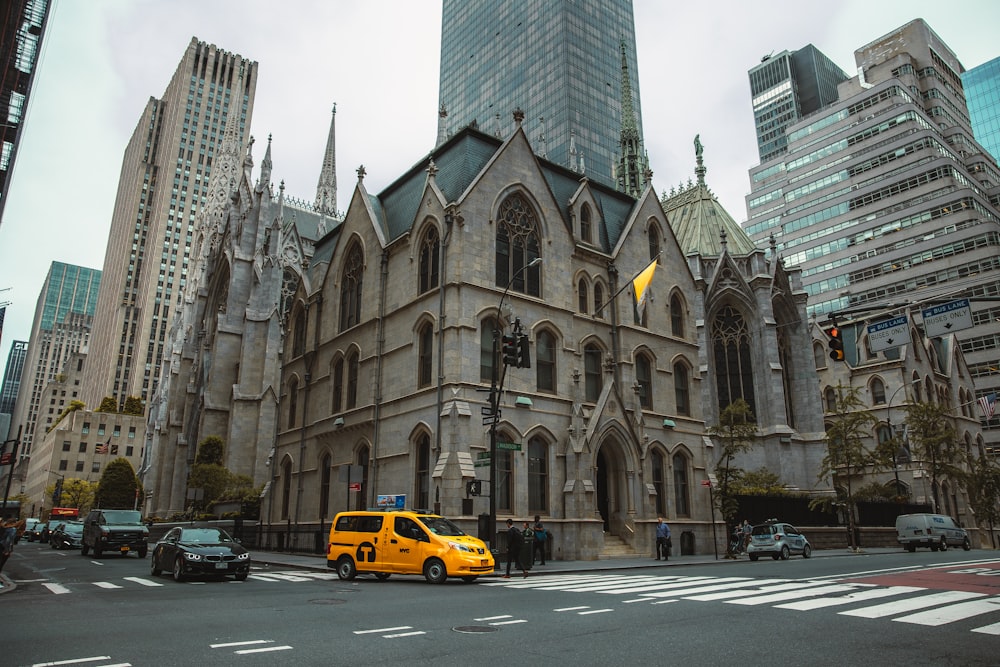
(61, 327)
(24, 23)
(559, 61)
(982, 93)
(787, 86)
(888, 203)
(12, 376)
(164, 182)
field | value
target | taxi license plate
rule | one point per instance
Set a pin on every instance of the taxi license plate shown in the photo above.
(221, 566)
(484, 562)
(124, 550)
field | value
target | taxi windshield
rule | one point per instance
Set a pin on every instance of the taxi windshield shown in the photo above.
(441, 526)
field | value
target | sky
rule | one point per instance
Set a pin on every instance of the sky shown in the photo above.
(378, 61)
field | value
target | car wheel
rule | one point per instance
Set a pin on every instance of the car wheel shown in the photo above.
(469, 580)
(382, 576)
(179, 569)
(967, 544)
(944, 544)
(435, 572)
(153, 569)
(346, 569)
(807, 551)
(911, 548)
(142, 552)
(84, 549)
(784, 552)
(753, 556)
(52, 544)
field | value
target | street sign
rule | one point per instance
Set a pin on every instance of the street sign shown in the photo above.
(947, 318)
(481, 463)
(706, 482)
(712, 479)
(888, 334)
(354, 486)
(512, 446)
(483, 455)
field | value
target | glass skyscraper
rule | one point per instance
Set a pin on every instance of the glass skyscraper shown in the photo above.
(559, 61)
(787, 86)
(982, 94)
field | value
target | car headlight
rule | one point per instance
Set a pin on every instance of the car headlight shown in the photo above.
(245, 556)
(190, 556)
(460, 547)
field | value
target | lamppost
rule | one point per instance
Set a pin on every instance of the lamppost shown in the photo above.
(496, 386)
(892, 435)
(57, 492)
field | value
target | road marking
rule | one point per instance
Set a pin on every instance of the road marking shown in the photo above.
(952, 613)
(251, 642)
(262, 650)
(144, 582)
(901, 606)
(859, 596)
(72, 662)
(698, 590)
(405, 634)
(789, 586)
(513, 622)
(492, 618)
(791, 595)
(58, 589)
(571, 608)
(376, 630)
(594, 611)
(106, 584)
(993, 629)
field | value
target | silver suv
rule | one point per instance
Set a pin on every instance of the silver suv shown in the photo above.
(778, 540)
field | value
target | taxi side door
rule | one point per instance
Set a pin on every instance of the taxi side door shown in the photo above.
(405, 545)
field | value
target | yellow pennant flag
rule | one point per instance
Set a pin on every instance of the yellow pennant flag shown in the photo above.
(640, 285)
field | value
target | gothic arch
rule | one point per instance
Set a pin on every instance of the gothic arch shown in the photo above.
(678, 307)
(428, 255)
(732, 345)
(615, 468)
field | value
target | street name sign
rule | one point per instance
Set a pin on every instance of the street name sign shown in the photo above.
(947, 318)
(513, 446)
(888, 334)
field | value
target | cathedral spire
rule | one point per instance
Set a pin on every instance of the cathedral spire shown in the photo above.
(326, 190)
(631, 165)
(700, 169)
(265, 168)
(442, 129)
(226, 168)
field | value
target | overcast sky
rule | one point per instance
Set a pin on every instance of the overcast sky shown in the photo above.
(378, 61)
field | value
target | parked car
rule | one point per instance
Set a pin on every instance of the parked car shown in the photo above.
(29, 524)
(777, 540)
(200, 552)
(38, 533)
(937, 531)
(68, 535)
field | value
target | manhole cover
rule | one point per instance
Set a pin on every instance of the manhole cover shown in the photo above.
(328, 601)
(472, 629)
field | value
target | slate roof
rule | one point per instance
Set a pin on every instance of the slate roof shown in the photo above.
(697, 219)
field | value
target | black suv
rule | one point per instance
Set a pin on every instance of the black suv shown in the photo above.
(114, 530)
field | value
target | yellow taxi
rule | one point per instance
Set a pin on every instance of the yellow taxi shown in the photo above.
(404, 542)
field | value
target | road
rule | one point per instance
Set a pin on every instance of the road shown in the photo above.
(899, 608)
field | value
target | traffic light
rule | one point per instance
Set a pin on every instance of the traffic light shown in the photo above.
(508, 349)
(836, 343)
(57, 493)
(523, 351)
(473, 487)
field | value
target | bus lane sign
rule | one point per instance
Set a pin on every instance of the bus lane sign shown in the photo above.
(888, 334)
(947, 318)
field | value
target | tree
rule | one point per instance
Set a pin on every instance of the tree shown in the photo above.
(73, 406)
(133, 406)
(119, 487)
(983, 484)
(848, 452)
(211, 450)
(736, 432)
(79, 493)
(760, 482)
(108, 404)
(934, 443)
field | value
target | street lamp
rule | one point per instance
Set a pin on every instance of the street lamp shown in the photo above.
(892, 435)
(57, 493)
(496, 386)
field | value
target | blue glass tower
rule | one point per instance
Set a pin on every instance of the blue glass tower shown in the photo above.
(982, 94)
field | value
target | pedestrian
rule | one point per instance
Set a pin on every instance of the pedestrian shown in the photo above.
(747, 529)
(541, 535)
(662, 539)
(513, 545)
(527, 547)
(8, 535)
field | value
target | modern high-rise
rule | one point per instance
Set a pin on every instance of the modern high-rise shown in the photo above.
(787, 86)
(60, 328)
(888, 203)
(982, 93)
(12, 377)
(163, 185)
(557, 60)
(24, 24)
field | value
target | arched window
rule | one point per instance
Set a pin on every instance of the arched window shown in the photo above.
(487, 352)
(819, 356)
(338, 386)
(352, 380)
(538, 476)
(350, 288)
(299, 334)
(422, 478)
(583, 296)
(644, 378)
(916, 388)
(676, 317)
(593, 381)
(545, 361)
(733, 365)
(430, 260)
(830, 398)
(599, 301)
(654, 242)
(682, 392)
(659, 481)
(878, 392)
(293, 401)
(324, 486)
(517, 246)
(585, 224)
(286, 488)
(882, 433)
(425, 354)
(682, 491)
(785, 357)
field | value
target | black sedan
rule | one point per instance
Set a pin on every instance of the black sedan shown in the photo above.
(200, 552)
(67, 535)
(40, 533)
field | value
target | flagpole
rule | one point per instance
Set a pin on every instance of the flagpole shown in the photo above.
(628, 283)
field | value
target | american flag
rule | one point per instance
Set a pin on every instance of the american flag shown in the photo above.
(105, 448)
(988, 404)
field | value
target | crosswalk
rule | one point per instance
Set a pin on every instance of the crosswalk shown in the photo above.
(154, 582)
(904, 604)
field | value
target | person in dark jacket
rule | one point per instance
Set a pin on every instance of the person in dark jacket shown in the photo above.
(513, 545)
(527, 548)
(541, 535)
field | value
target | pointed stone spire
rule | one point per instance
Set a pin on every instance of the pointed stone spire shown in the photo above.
(326, 189)
(225, 172)
(496, 127)
(265, 168)
(632, 164)
(572, 151)
(442, 120)
(541, 139)
(518, 116)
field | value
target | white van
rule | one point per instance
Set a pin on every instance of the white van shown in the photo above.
(937, 531)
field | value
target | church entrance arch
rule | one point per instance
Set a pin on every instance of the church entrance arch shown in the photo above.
(612, 487)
